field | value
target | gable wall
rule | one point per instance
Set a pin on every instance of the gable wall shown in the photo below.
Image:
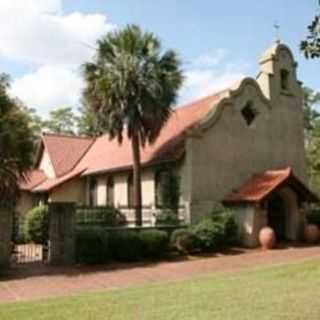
(229, 152)
(72, 191)
(46, 165)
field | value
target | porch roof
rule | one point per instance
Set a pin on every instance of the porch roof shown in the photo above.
(260, 186)
(32, 179)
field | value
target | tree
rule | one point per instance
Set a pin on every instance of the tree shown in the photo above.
(311, 115)
(16, 145)
(131, 86)
(87, 122)
(311, 45)
(312, 136)
(35, 122)
(61, 120)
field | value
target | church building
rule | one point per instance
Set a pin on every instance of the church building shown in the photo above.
(242, 147)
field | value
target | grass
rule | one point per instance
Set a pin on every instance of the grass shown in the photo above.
(282, 292)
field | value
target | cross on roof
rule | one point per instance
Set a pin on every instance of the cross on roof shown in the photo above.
(277, 31)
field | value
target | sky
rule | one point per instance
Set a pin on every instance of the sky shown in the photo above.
(44, 42)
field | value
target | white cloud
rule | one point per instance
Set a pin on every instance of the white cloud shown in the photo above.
(37, 33)
(210, 59)
(210, 73)
(30, 6)
(49, 87)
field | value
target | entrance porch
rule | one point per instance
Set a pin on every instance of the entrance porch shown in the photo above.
(274, 198)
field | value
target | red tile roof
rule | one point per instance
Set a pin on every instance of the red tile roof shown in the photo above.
(50, 184)
(32, 179)
(262, 185)
(65, 151)
(106, 154)
(71, 155)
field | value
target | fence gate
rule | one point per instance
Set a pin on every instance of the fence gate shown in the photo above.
(29, 253)
(23, 252)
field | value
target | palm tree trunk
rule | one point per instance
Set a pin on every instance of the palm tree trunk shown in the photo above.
(137, 196)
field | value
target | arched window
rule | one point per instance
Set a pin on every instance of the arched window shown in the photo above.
(130, 190)
(284, 79)
(110, 190)
(249, 113)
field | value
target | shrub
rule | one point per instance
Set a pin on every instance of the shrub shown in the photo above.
(92, 246)
(126, 245)
(37, 225)
(210, 235)
(226, 218)
(167, 218)
(154, 243)
(184, 241)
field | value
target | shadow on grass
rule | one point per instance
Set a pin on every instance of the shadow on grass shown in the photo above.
(39, 269)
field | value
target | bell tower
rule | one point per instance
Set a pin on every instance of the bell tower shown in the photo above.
(278, 76)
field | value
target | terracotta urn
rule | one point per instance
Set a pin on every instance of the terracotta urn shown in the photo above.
(267, 238)
(311, 233)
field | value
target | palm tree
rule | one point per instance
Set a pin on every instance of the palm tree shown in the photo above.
(131, 86)
(16, 145)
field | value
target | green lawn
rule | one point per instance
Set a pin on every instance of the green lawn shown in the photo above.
(283, 292)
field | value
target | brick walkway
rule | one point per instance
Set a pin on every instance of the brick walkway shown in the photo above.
(38, 281)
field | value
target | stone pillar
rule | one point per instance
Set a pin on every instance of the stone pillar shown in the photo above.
(61, 233)
(6, 228)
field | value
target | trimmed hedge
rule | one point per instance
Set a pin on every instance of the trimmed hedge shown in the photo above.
(99, 245)
(92, 246)
(126, 246)
(95, 245)
(154, 243)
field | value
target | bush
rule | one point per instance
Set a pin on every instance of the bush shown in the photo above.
(226, 218)
(210, 235)
(184, 241)
(36, 227)
(92, 246)
(126, 245)
(154, 243)
(167, 218)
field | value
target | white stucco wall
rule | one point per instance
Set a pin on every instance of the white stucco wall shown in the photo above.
(226, 151)
(46, 165)
(102, 191)
(72, 191)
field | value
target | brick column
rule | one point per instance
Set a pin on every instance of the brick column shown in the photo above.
(6, 221)
(61, 233)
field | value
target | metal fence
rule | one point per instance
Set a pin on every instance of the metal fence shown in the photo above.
(102, 215)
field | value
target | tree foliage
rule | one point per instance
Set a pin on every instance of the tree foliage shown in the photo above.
(16, 144)
(131, 86)
(61, 120)
(87, 122)
(312, 135)
(311, 45)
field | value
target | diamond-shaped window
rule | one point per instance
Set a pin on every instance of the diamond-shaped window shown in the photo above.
(249, 113)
